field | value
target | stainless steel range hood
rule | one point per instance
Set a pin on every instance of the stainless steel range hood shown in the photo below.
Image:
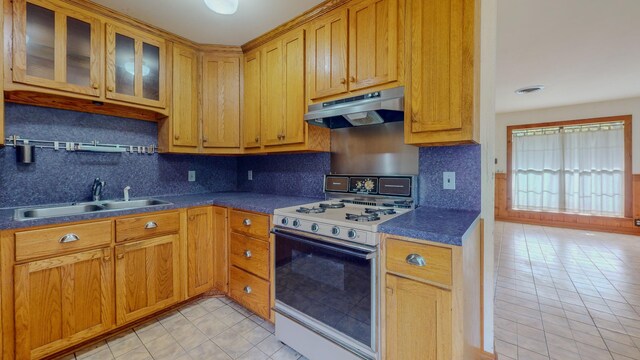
(370, 109)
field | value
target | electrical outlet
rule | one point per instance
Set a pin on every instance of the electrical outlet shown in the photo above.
(192, 175)
(637, 222)
(250, 175)
(449, 180)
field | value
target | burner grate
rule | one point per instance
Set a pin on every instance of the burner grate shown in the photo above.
(380, 211)
(332, 205)
(362, 217)
(313, 210)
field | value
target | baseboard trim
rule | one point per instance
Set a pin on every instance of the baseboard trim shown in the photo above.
(483, 355)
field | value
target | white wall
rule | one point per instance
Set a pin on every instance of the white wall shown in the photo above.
(571, 112)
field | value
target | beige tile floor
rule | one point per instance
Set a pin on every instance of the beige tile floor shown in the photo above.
(566, 294)
(211, 328)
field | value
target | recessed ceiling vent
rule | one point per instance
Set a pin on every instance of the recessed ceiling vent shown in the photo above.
(530, 89)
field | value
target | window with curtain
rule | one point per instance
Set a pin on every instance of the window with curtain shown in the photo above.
(577, 169)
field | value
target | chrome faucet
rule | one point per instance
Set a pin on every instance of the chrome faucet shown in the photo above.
(126, 192)
(96, 189)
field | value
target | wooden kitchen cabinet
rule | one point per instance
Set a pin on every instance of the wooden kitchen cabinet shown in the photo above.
(252, 100)
(327, 55)
(417, 308)
(221, 101)
(439, 96)
(147, 277)
(182, 128)
(283, 90)
(220, 250)
(136, 66)
(57, 46)
(200, 255)
(62, 301)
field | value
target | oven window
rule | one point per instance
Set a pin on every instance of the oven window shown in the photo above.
(327, 285)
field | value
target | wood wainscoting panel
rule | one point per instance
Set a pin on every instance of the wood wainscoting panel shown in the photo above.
(572, 221)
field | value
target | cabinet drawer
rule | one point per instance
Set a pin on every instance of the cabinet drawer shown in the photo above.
(250, 291)
(250, 254)
(62, 239)
(141, 227)
(431, 263)
(250, 224)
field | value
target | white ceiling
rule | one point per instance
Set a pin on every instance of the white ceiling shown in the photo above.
(193, 20)
(581, 50)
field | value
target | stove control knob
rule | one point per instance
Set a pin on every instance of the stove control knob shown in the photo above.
(296, 223)
(335, 230)
(315, 227)
(285, 221)
(352, 234)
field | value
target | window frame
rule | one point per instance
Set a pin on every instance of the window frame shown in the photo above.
(628, 163)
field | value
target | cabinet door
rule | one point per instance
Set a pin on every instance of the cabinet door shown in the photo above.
(220, 250)
(373, 43)
(273, 94)
(439, 98)
(146, 277)
(293, 76)
(418, 320)
(221, 102)
(200, 260)
(252, 98)
(136, 66)
(327, 55)
(62, 301)
(57, 47)
(184, 119)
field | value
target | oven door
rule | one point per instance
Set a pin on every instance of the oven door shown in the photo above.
(328, 285)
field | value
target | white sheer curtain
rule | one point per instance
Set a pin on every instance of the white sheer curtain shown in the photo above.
(577, 169)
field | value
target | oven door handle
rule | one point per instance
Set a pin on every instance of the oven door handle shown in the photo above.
(367, 255)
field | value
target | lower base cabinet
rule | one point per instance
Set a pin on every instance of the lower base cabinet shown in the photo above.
(147, 277)
(417, 308)
(250, 291)
(62, 301)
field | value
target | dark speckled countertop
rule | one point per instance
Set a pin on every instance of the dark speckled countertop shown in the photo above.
(263, 203)
(434, 224)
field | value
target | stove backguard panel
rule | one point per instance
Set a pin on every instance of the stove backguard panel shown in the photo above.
(373, 150)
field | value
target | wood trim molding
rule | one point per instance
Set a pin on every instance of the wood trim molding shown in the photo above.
(628, 161)
(299, 20)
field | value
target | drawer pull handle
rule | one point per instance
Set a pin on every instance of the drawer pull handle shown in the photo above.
(246, 222)
(247, 254)
(416, 260)
(247, 289)
(120, 256)
(69, 238)
(150, 225)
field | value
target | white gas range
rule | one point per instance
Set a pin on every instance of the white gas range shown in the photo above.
(326, 262)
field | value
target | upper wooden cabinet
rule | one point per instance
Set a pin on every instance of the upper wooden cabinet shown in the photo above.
(57, 46)
(252, 100)
(355, 47)
(62, 301)
(283, 89)
(184, 110)
(220, 101)
(439, 96)
(136, 66)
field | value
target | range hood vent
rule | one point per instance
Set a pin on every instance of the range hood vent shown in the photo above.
(378, 107)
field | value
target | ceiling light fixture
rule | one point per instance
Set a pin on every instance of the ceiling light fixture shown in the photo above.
(224, 7)
(530, 89)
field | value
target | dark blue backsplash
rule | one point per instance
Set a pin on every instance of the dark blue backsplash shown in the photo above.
(464, 160)
(61, 176)
(295, 174)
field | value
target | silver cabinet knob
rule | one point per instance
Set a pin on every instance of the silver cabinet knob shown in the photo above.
(247, 254)
(69, 238)
(415, 260)
(247, 289)
(150, 225)
(246, 222)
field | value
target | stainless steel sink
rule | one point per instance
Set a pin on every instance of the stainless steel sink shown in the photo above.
(78, 209)
(132, 204)
(24, 214)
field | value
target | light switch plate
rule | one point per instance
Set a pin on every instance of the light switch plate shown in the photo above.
(250, 175)
(192, 175)
(449, 180)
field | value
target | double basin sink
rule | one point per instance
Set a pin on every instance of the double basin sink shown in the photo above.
(85, 208)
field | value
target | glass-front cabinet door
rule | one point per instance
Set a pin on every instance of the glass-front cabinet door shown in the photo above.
(136, 67)
(56, 46)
